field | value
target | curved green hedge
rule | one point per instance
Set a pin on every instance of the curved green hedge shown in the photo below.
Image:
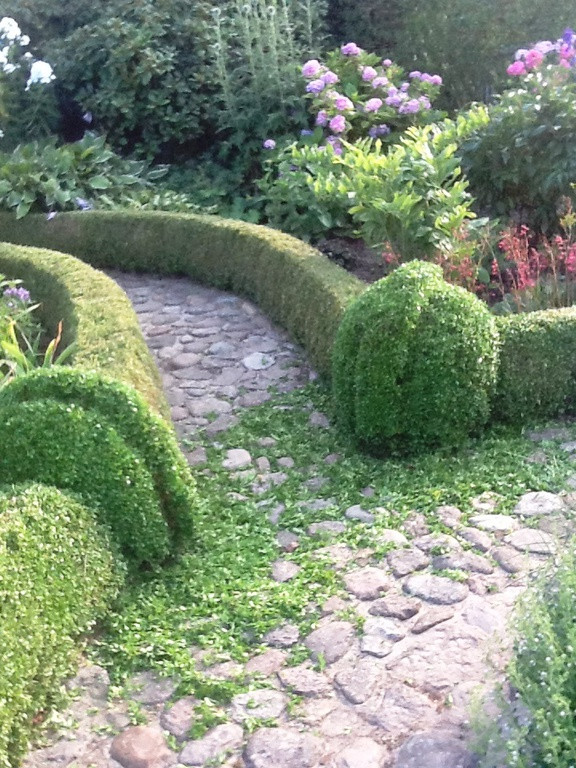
(57, 574)
(79, 431)
(96, 314)
(293, 283)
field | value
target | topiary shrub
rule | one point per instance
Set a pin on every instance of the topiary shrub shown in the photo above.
(57, 575)
(414, 362)
(78, 431)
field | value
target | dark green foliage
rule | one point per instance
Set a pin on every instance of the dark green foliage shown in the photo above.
(523, 161)
(142, 68)
(537, 365)
(414, 362)
(57, 574)
(372, 24)
(149, 445)
(295, 284)
(96, 314)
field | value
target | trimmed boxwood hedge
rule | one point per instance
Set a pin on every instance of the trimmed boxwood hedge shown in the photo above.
(293, 283)
(58, 573)
(415, 362)
(96, 315)
(79, 431)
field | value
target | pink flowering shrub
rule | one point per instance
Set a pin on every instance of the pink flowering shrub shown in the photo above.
(355, 95)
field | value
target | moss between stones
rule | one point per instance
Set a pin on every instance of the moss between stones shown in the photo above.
(293, 283)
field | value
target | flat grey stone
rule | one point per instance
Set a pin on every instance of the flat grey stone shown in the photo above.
(431, 617)
(263, 464)
(251, 399)
(216, 744)
(183, 360)
(552, 433)
(537, 503)
(362, 753)
(380, 635)
(434, 750)
(331, 641)
(318, 419)
(395, 606)
(266, 664)
(316, 483)
(197, 456)
(284, 570)
(367, 583)
(436, 589)
(304, 681)
(141, 746)
(282, 748)
(258, 361)
(437, 543)
(357, 513)
(333, 458)
(287, 541)
(208, 405)
(150, 689)
(509, 559)
(405, 561)
(326, 527)
(463, 561)
(237, 458)
(221, 424)
(274, 516)
(449, 515)
(357, 683)
(494, 523)
(263, 704)
(222, 349)
(315, 505)
(284, 636)
(179, 718)
(569, 447)
(486, 503)
(477, 538)
(389, 535)
(532, 540)
(286, 462)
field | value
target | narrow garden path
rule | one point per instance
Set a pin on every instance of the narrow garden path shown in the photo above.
(397, 694)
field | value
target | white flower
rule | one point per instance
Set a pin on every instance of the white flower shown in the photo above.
(10, 29)
(40, 72)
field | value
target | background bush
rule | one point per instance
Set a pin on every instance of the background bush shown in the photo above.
(415, 362)
(58, 573)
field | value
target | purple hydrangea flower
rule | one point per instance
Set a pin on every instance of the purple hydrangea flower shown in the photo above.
(335, 144)
(368, 74)
(436, 80)
(269, 144)
(343, 103)
(410, 107)
(311, 68)
(373, 105)
(415, 75)
(380, 82)
(568, 36)
(350, 49)
(322, 117)
(315, 86)
(306, 132)
(425, 102)
(378, 130)
(387, 63)
(337, 124)
(404, 87)
(17, 293)
(396, 100)
(330, 77)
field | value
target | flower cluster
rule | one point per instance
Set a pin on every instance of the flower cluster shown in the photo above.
(546, 54)
(356, 94)
(11, 42)
(17, 292)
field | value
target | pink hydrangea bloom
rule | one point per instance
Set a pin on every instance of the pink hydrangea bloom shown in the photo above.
(373, 105)
(322, 117)
(350, 49)
(343, 103)
(533, 59)
(335, 144)
(315, 86)
(379, 82)
(330, 77)
(387, 63)
(311, 68)
(337, 124)
(368, 74)
(269, 144)
(516, 69)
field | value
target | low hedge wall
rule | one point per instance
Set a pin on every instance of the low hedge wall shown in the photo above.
(96, 315)
(293, 283)
(81, 432)
(58, 573)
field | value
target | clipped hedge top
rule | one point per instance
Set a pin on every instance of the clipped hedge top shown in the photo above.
(293, 283)
(95, 313)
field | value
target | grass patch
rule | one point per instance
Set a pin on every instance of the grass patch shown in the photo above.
(220, 596)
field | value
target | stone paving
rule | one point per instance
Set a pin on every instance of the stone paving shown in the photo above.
(394, 695)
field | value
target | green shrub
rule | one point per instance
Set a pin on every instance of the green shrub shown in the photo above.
(373, 24)
(97, 438)
(537, 375)
(415, 362)
(97, 316)
(522, 162)
(296, 285)
(57, 575)
(43, 177)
